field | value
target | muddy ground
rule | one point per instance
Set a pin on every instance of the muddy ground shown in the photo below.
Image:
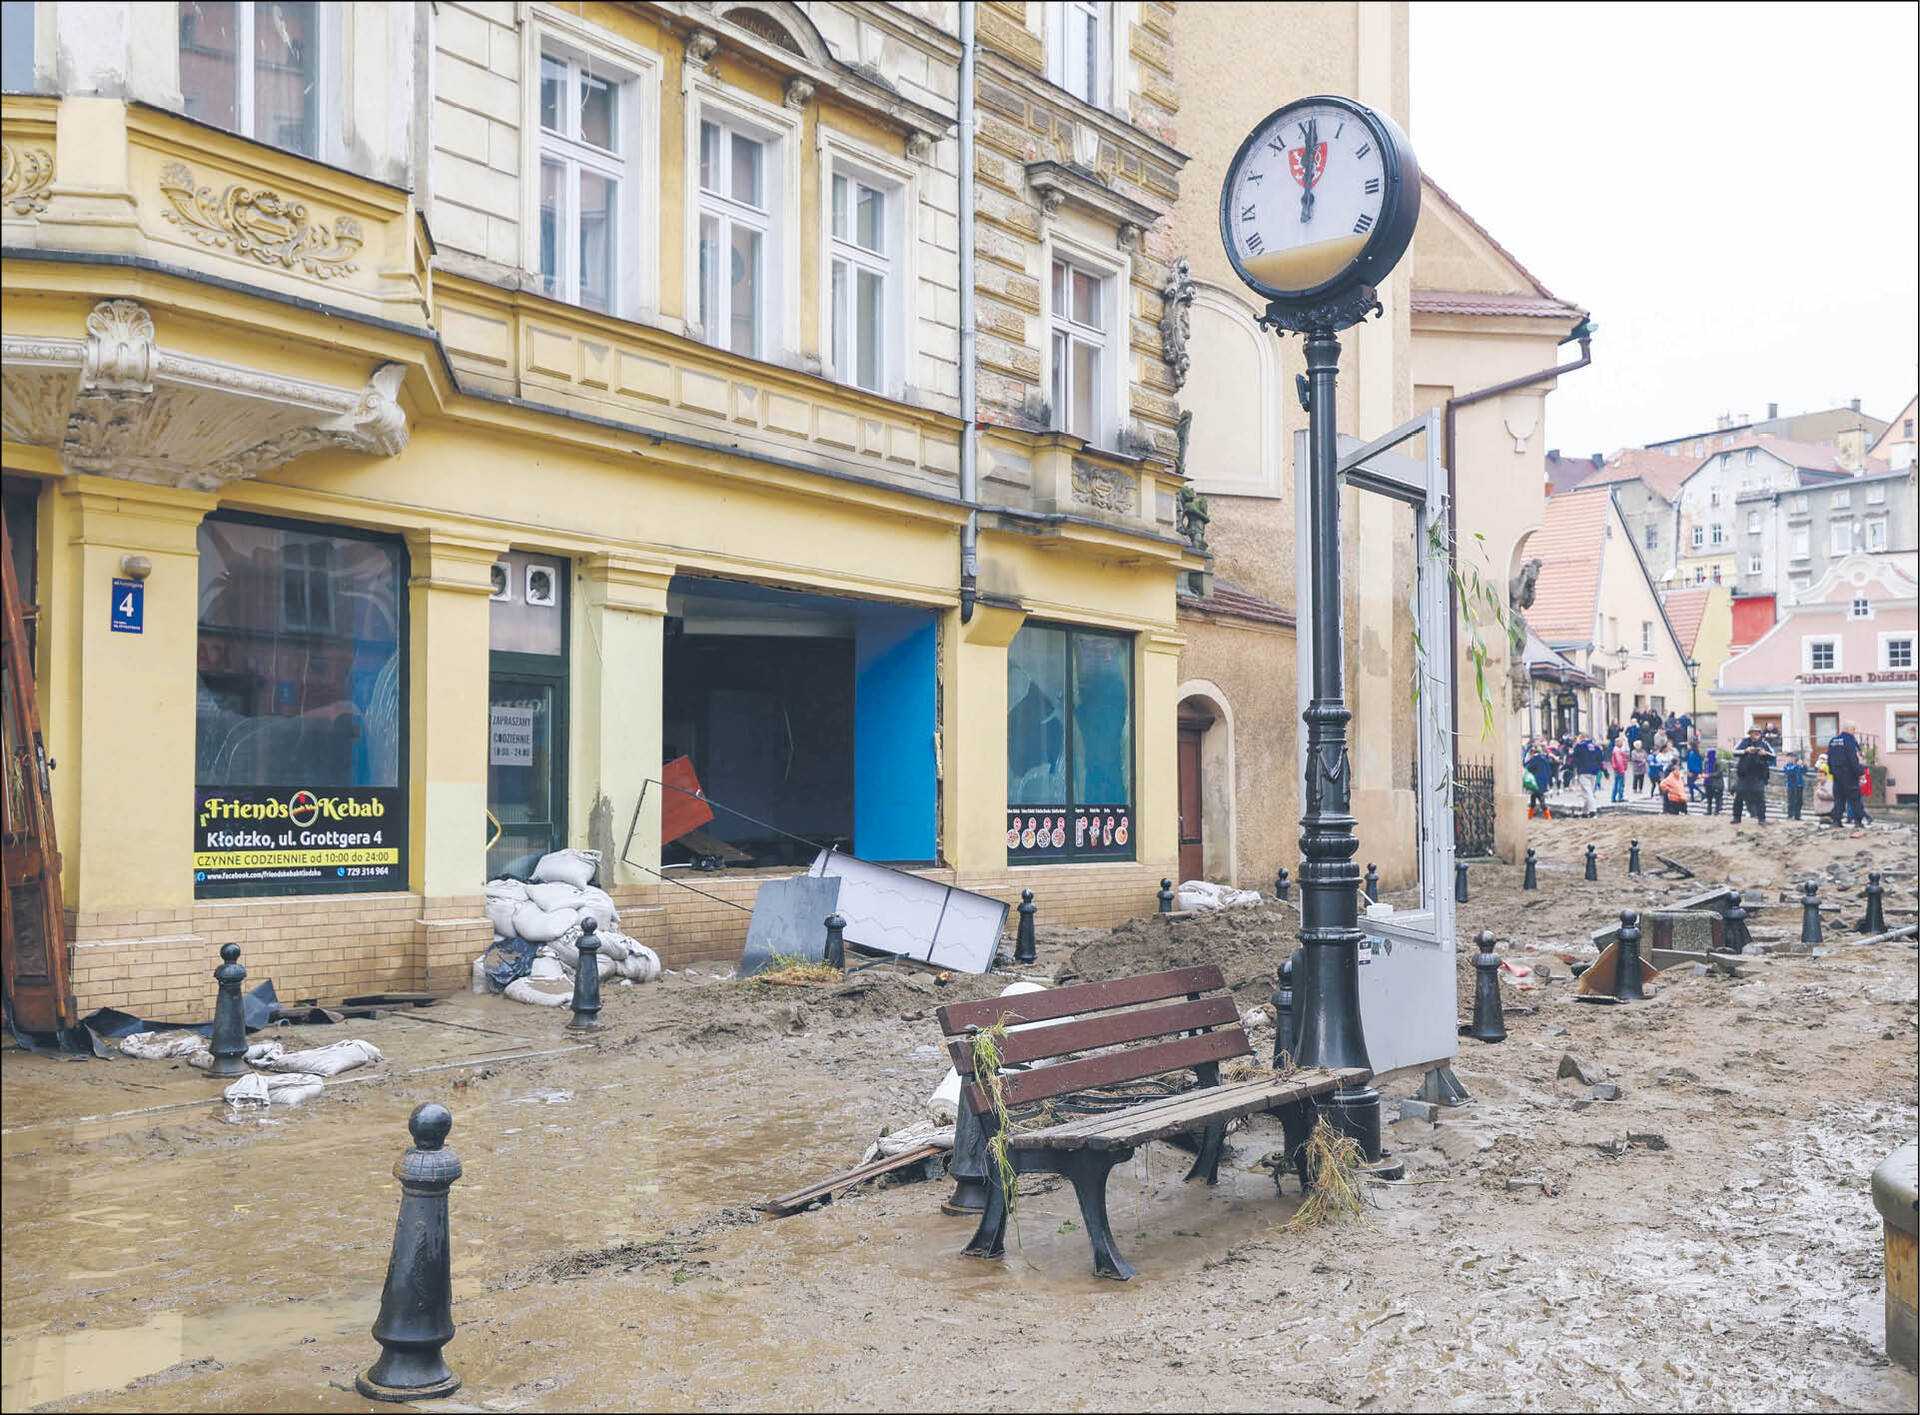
(1705, 1241)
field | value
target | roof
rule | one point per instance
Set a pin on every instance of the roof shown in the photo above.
(1764, 425)
(1686, 609)
(1565, 473)
(1229, 599)
(1567, 545)
(1543, 661)
(1478, 302)
(1662, 471)
(1544, 294)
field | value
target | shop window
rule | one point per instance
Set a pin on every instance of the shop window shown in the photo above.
(254, 69)
(862, 280)
(585, 128)
(1906, 731)
(1079, 350)
(1069, 745)
(301, 738)
(736, 230)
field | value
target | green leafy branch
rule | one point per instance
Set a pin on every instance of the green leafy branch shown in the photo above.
(1481, 603)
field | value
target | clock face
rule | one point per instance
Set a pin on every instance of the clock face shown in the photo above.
(1305, 196)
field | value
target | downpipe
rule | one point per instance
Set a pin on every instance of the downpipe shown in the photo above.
(969, 432)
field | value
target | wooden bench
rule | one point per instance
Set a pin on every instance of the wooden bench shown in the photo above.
(1195, 1027)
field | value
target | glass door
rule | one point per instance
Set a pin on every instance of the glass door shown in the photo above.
(527, 712)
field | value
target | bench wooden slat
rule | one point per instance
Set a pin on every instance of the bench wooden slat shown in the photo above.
(1105, 1031)
(1113, 1068)
(1079, 998)
(1135, 1126)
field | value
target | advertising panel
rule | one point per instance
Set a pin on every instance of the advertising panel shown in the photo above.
(332, 839)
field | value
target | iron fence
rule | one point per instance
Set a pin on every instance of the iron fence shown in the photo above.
(1473, 809)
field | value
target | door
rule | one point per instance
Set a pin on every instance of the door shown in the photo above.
(526, 766)
(1821, 727)
(1193, 855)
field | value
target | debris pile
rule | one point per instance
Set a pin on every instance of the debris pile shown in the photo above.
(536, 927)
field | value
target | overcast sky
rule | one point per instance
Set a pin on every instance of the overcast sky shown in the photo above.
(1732, 190)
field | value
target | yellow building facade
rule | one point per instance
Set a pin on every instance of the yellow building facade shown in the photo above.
(403, 483)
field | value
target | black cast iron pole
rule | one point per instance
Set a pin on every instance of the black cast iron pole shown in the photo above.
(1327, 980)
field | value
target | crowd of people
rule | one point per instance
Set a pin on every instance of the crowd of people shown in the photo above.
(1662, 756)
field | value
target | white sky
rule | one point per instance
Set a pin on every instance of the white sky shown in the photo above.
(1731, 189)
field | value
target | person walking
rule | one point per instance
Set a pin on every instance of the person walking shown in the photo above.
(1694, 763)
(1673, 791)
(1715, 782)
(1619, 763)
(1794, 772)
(1586, 764)
(1638, 758)
(1539, 767)
(1843, 761)
(1753, 760)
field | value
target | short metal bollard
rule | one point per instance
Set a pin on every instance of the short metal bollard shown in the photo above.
(1025, 950)
(1629, 981)
(1593, 863)
(1531, 879)
(1810, 913)
(1372, 884)
(416, 1306)
(1875, 919)
(1282, 889)
(1734, 936)
(1633, 858)
(1166, 896)
(1459, 881)
(229, 1042)
(1283, 1044)
(1489, 1020)
(834, 955)
(586, 979)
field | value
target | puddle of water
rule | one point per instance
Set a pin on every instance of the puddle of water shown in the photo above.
(36, 1367)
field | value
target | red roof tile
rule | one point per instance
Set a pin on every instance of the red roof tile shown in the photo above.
(1568, 546)
(1475, 302)
(1659, 470)
(1229, 599)
(1685, 611)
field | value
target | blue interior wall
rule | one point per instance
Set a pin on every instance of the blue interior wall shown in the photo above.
(893, 704)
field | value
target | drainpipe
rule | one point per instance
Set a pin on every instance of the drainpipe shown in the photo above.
(1583, 332)
(969, 434)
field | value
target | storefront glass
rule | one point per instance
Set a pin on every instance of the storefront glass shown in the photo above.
(301, 744)
(1069, 745)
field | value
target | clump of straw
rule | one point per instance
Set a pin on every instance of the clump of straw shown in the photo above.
(1333, 1166)
(788, 970)
(986, 1073)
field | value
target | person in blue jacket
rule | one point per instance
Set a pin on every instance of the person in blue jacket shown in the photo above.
(1694, 763)
(1794, 772)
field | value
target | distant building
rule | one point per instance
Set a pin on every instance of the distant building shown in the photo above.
(1895, 445)
(1711, 512)
(1848, 429)
(1702, 619)
(1788, 539)
(1565, 473)
(1645, 486)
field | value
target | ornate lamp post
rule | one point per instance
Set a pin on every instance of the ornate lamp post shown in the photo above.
(1318, 206)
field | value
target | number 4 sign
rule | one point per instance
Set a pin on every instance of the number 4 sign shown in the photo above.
(129, 608)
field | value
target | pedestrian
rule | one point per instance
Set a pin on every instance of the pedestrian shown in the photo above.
(1794, 772)
(1587, 758)
(1638, 758)
(1754, 759)
(1673, 791)
(1714, 782)
(1843, 761)
(1539, 775)
(1619, 763)
(1694, 763)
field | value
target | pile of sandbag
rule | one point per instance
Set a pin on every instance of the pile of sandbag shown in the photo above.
(536, 925)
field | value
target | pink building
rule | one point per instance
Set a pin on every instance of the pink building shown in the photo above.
(1843, 652)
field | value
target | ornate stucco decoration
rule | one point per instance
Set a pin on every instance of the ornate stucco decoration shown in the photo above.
(799, 93)
(920, 146)
(25, 175)
(120, 404)
(260, 224)
(702, 45)
(1176, 321)
(1103, 488)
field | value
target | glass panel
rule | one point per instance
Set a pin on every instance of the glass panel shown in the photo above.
(597, 201)
(1079, 51)
(598, 104)
(871, 219)
(709, 156)
(840, 207)
(1102, 720)
(16, 45)
(869, 313)
(746, 169)
(841, 320)
(1086, 300)
(710, 277)
(744, 291)
(209, 81)
(1059, 287)
(552, 185)
(1037, 717)
(553, 83)
(520, 722)
(1085, 419)
(286, 85)
(1059, 390)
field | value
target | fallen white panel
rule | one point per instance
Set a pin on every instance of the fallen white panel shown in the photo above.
(891, 911)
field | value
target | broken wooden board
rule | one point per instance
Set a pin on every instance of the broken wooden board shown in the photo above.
(1674, 867)
(827, 1190)
(1598, 979)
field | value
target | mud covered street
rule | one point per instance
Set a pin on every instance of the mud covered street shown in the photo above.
(1706, 1241)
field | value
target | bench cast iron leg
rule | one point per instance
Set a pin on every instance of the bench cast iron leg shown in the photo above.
(1088, 1169)
(1206, 1164)
(1296, 1122)
(990, 1238)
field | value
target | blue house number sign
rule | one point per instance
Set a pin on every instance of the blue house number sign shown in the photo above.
(129, 614)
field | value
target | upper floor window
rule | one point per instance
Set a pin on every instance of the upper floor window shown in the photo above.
(1652, 536)
(1713, 497)
(861, 280)
(1753, 523)
(16, 46)
(1840, 538)
(1797, 503)
(1716, 574)
(1076, 51)
(1646, 636)
(736, 221)
(1823, 655)
(1749, 456)
(1897, 652)
(1860, 608)
(583, 180)
(1877, 494)
(1079, 349)
(1755, 565)
(254, 69)
(1876, 535)
(1719, 536)
(1801, 546)
(1698, 537)
(1842, 499)
(1906, 427)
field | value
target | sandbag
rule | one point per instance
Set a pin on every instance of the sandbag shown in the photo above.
(536, 993)
(260, 1091)
(537, 925)
(597, 902)
(546, 969)
(642, 964)
(565, 949)
(500, 911)
(162, 1046)
(258, 1054)
(324, 1061)
(514, 889)
(568, 867)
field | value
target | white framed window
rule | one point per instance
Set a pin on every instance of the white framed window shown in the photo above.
(1646, 636)
(262, 71)
(1698, 537)
(1876, 535)
(1719, 535)
(588, 146)
(860, 280)
(1699, 574)
(1896, 651)
(1753, 523)
(1755, 565)
(1877, 494)
(1840, 538)
(1078, 343)
(1797, 503)
(1716, 574)
(1860, 608)
(1842, 499)
(1822, 655)
(1802, 544)
(1079, 45)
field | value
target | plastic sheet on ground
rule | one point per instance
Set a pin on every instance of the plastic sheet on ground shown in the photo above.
(261, 1090)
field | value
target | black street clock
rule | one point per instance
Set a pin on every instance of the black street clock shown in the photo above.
(1318, 206)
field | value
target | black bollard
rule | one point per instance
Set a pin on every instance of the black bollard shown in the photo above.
(1459, 881)
(586, 979)
(416, 1306)
(1734, 937)
(1593, 863)
(1372, 884)
(1281, 889)
(1633, 857)
(1166, 896)
(834, 954)
(1875, 920)
(1489, 1021)
(1283, 1016)
(1024, 948)
(1530, 880)
(1810, 913)
(229, 1044)
(1629, 982)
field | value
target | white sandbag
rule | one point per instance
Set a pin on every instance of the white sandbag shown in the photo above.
(944, 1104)
(909, 1137)
(597, 902)
(162, 1046)
(568, 867)
(500, 911)
(555, 896)
(568, 953)
(260, 1091)
(258, 1053)
(537, 925)
(642, 964)
(513, 889)
(325, 1061)
(546, 969)
(1200, 894)
(538, 994)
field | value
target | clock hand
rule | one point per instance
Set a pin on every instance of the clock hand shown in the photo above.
(1306, 170)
